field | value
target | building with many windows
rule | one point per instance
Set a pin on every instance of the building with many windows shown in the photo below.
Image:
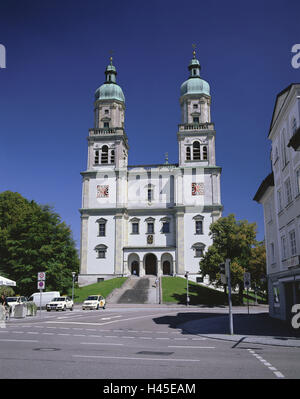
(148, 219)
(279, 194)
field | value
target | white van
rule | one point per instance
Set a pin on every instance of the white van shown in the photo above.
(46, 297)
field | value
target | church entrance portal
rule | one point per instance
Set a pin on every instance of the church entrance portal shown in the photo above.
(135, 268)
(150, 264)
(166, 268)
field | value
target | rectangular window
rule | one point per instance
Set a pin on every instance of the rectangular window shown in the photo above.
(199, 227)
(195, 106)
(276, 294)
(288, 191)
(135, 228)
(298, 180)
(196, 119)
(150, 194)
(101, 229)
(101, 253)
(106, 111)
(150, 228)
(166, 227)
(279, 200)
(106, 124)
(283, 247)
(293, 243)
(272, 253)
(198, 252)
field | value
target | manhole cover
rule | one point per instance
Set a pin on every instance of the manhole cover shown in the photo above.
(154, 353)
(46, 349)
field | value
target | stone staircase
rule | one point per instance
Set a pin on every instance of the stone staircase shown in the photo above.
(136, 290)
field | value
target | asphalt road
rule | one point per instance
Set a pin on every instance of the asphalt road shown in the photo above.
(133, 343)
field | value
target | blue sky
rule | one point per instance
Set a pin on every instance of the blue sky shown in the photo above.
(56, 56)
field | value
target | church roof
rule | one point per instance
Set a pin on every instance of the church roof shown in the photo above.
(194, 84)
(110, 90)
(267, 182)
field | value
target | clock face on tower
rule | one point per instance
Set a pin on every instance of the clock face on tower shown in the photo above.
(103, 191)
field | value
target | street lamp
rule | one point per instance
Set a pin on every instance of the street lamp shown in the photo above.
(73, 278)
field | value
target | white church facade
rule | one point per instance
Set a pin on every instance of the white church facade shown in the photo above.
(148, 219)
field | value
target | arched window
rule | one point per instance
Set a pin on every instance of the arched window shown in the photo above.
(104, 154)
(96, 157)
(204, 152)
(188, 153)
(112, 156)
(196, 150)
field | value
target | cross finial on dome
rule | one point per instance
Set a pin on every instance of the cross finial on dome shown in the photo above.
(111, 58)
(194, 51)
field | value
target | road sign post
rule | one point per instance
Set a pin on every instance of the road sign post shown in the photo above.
(187, 289)
(41, 287)
(227, 272)
(247, 282)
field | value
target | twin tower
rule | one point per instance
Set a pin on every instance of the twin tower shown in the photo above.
(148, 219)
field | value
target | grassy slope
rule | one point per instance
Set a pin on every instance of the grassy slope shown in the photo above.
(174, 290)
(104, 288)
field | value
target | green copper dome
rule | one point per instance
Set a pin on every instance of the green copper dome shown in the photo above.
(194, 84)
(110, 90)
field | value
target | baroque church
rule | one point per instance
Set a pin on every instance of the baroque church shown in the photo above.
(148, 219)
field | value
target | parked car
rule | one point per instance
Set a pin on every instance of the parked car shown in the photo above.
(94, 302)
(60, 303)
(46, 297)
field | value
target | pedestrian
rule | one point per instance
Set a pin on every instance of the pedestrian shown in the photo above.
(4, 303)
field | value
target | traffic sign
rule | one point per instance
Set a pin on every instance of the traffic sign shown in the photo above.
(247, 280)
(41, 285)
(41, 276)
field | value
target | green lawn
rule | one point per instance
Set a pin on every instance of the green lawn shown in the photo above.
(104, 288)
(174, 290)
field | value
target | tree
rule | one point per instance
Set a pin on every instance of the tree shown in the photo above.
(235, 240)
(33, 238)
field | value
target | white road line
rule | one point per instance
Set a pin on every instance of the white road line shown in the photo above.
(79, 335)
(18, 340)
(100, 343)
(63, 334)
(199, 339)
(102, 324)
(145, 337)
(191, 347)
(136, 358)
(162, 338)
(278, 374)
(267, 364)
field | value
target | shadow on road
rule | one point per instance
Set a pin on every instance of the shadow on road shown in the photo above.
(217, 323)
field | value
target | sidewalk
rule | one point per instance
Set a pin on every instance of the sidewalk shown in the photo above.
(256, 328)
